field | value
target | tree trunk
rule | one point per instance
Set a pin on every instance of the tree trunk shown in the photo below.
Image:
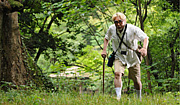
(146, 59)
(173, 63)
(12, 65)
(38, 54)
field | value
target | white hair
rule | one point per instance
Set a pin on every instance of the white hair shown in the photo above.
(120, 15)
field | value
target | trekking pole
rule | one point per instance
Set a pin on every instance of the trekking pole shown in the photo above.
(104, 56)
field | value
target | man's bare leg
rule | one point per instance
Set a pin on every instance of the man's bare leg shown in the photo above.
(138, 87)
(118, 84)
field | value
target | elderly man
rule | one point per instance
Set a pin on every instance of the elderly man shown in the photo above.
(124, 55)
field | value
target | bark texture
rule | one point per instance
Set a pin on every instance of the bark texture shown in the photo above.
(12, 66)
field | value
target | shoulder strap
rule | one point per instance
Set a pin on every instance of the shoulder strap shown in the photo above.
(121, 38)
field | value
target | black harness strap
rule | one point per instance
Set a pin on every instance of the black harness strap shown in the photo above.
(121, 38)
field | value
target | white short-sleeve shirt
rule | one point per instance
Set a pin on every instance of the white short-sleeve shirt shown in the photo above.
(133, 34)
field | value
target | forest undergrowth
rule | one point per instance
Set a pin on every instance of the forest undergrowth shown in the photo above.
(36, 97)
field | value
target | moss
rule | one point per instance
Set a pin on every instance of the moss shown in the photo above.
(15, 3)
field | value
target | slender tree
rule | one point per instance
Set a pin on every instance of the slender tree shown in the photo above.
(142, 18)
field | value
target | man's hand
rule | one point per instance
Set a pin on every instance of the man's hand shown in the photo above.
(143, 51)
(103, 54)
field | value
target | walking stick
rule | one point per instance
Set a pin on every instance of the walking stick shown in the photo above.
(103, 70)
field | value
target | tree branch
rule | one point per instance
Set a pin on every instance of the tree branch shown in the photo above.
(92, 33)
(103, 13)
(50, 23)
(42, 28)
(148, 2)
(5, 5)
(134, 2)
(145, 15)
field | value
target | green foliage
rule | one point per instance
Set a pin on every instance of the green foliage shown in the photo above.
(62, 98)
(63, 29)
(164, 44)
(91, 62)
(91, 59)
(15, 3)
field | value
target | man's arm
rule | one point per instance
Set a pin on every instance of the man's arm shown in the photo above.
(145, 43)
(143, 50)
(103, 54)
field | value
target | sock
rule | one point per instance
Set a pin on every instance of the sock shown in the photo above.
(138, 94)
(118, 91)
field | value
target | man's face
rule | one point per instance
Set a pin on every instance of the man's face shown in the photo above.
(119, 23)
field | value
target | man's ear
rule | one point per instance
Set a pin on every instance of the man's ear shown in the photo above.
(123, 23)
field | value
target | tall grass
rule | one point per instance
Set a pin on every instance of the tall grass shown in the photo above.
(35, 97)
